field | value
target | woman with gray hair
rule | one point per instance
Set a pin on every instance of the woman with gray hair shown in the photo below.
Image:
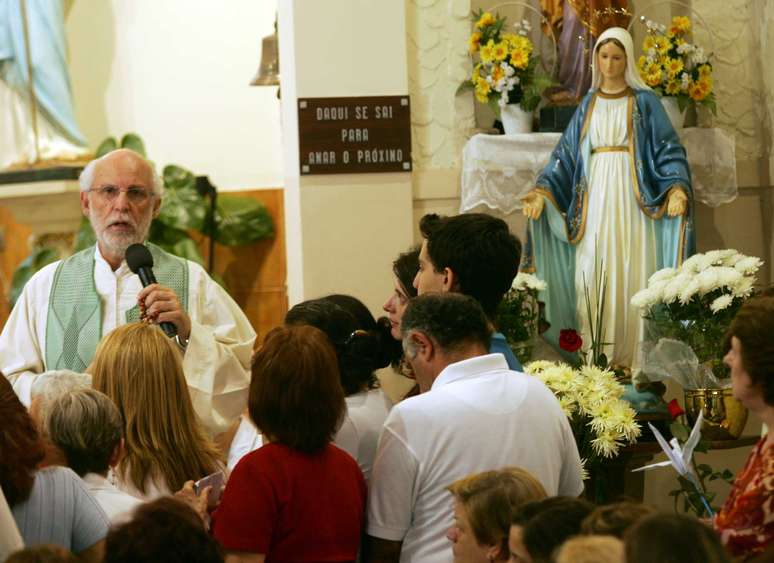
(86, 426)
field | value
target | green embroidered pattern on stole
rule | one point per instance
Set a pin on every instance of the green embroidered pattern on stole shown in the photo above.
(74, 324)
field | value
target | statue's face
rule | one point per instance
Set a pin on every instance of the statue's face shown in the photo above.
(611, 62)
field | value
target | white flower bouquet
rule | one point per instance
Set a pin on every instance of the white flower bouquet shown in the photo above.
(601, 420)
(519, 313)
(688, 310)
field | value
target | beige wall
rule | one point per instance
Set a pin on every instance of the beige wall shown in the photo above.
(177, 73)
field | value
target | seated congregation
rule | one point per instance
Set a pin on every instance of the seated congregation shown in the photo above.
(135, 459)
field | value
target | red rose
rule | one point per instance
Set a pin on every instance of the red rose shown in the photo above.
(675, 409)
(570, 340)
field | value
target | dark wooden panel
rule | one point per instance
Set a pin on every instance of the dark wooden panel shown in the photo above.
(354, 135)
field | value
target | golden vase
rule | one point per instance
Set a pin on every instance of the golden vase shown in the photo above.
(724, 416)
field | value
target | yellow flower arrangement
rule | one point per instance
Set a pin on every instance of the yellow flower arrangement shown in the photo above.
(673, 66)
(601, 420)
(507, 68)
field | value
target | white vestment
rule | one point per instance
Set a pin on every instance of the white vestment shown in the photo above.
(216, 362)
(619, 237)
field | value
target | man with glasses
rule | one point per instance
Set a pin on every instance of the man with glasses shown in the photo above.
(69, 305)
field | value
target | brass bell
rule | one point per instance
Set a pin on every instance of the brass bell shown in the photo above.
(268, 71)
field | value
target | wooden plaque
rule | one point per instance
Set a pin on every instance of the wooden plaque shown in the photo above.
(354, 135)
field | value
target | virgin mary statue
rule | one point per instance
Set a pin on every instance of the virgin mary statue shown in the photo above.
(41, 29)
(613, 203)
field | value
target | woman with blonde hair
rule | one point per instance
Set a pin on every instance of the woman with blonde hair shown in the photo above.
(483, 504)
(141, 370)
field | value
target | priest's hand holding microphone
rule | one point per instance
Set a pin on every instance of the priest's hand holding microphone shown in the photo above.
(158, 304)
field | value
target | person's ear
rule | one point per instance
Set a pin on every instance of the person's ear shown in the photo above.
(449, 280)
(493, 552)
(85, 203)
(118, 453)
(422, 345)
(156, 206)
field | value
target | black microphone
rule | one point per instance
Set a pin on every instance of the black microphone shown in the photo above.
(140, 261)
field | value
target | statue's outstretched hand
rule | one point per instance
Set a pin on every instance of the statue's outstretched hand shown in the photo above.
(533, 205)
(677, 203)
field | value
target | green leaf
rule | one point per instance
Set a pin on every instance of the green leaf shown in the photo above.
(133, 142)
(175, 241)
(106, 146)
(679, 431)
(727, 475)
(241, 220)
(85, 236)
(182, 206)
(39, 258)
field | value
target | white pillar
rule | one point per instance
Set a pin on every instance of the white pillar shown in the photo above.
(343, 231)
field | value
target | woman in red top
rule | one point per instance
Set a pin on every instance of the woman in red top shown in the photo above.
(297, 498)
(746, 522)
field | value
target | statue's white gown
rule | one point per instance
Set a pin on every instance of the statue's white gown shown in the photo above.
(618, 236)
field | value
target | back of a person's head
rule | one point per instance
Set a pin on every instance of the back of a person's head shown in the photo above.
(614, 519)
(87, 427)
(548, 523)
(673, 538)
(20, 446)
(591, 549)
(49, 386)
(141, 370)
(361, 345)
(453, 320)
(296, 398)
(481, 251)
(165, 530)
(489, 498)
(42, 554)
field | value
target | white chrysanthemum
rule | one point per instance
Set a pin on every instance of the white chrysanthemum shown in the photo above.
(583, 471)
(644, 298)
(692, 264)
(714, 257)
(744, 288)
(664, 274)
(689, 290)
(728, 277)
(528, 281)
(674, 287)
(707, 280)
(721, 303)
(732, 258)
(748, 265)
(605, 445)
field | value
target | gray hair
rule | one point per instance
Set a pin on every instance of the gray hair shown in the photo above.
(86, 425)
(86, 178)
(51, 385)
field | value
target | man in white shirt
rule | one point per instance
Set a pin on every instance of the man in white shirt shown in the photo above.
(473, 415)
(69, 305)
(86, 426)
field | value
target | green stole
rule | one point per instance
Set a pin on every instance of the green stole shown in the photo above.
(74, 324)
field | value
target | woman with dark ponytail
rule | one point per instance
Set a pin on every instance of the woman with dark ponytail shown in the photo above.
(362, 346)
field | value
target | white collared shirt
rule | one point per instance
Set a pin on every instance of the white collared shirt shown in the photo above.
(477, 416)
(117, 504)
(216, 362)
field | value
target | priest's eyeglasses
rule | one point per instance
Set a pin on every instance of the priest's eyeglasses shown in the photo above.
(110, 193)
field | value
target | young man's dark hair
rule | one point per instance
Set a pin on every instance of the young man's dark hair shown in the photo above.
(481, 251)
(453, 320)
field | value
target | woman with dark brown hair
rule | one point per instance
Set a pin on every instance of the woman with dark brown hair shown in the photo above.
(52, 505)
(746, 522)
(298, 497)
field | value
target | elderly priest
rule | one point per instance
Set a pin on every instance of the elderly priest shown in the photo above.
(69, 305)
